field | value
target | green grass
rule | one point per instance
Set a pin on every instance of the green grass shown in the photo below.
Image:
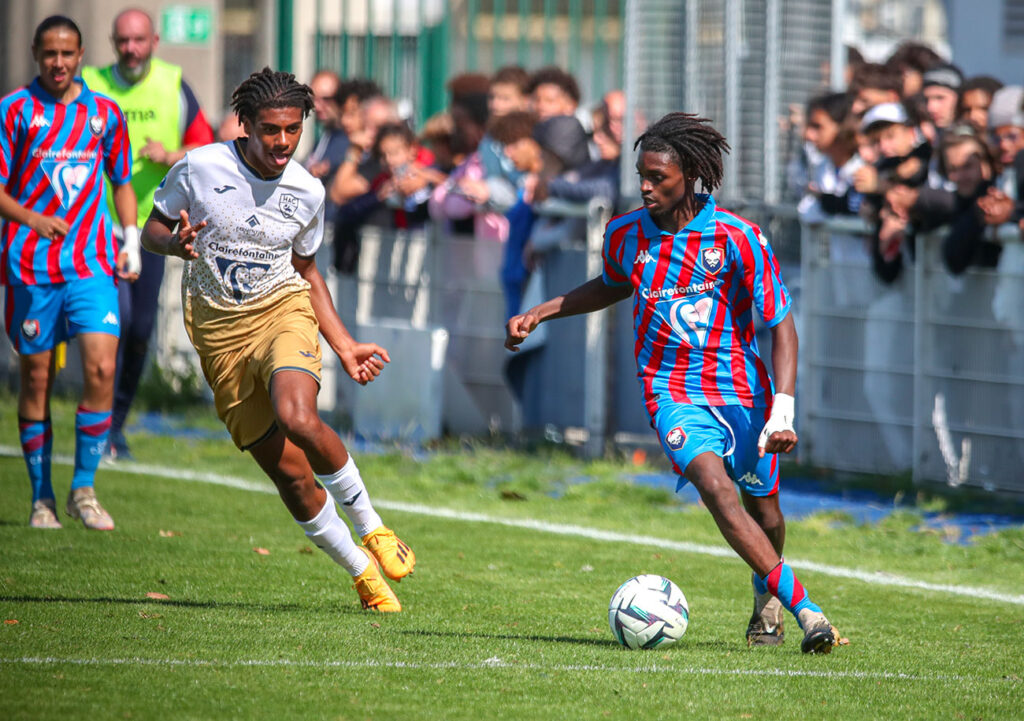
(499, 622)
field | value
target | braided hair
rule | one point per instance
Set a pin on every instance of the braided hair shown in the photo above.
(270, 89)
(696, 146)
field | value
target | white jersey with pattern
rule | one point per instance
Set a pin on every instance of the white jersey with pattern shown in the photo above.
(254, 225)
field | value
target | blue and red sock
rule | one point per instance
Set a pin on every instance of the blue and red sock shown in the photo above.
(784, 585)
(36, 446)
(91, 431)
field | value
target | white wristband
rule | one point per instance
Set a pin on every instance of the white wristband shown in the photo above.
(131, 246)
(784, 406)
(781, 419)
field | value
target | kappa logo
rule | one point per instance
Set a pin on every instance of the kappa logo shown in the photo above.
(39, 121)
(96, 125)
(30, 329)
(223, 189)
(675, 438)
(110, 318)
(764, 241)
(711, 260)
(750, 478)
(307, 354)
(643, 257)
(288, 204)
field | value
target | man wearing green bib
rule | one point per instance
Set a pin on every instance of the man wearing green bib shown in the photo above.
(164, 122)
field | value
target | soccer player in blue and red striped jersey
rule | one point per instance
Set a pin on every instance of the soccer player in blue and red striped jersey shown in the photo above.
(697, 273)
(58, 258)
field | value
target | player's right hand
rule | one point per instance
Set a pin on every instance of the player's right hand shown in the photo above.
(517, 328)
(187, 233)
(48, 226)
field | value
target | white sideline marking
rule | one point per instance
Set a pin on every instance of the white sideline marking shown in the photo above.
(486, 664)
(875, 578)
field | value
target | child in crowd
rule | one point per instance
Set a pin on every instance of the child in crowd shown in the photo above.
(407, 178)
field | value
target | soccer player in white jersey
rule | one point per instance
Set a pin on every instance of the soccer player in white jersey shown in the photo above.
(249, 221)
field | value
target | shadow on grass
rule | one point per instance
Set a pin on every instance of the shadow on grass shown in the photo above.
(159, 602)
(600, 642)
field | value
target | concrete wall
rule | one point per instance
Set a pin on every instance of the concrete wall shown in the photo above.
(976, 41)
(19, 18)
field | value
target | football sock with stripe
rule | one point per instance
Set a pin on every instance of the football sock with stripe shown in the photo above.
(333, 537)
(347, 488)
(784, 585)
(36, 446)
(761, 593)
(91, 431)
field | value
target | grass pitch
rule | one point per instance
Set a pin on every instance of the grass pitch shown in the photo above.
(500, 621)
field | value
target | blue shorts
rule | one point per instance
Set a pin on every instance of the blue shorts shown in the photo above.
(38, 317)
(730, 432)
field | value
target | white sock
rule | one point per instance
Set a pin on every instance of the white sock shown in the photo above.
(346, 486)
(332, 536)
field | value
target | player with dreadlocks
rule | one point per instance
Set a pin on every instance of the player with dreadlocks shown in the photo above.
(249, 221)
(696, 272)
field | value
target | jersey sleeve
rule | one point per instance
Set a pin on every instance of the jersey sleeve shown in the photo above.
(117, 148)
(613, 271)
(309, 238)
(195, 129)
(173, 195)
(760, 274)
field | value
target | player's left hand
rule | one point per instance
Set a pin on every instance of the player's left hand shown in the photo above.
(123, 263)
(364, 361)
(778, 435)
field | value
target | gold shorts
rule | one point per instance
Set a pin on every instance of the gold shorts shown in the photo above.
(282, 338)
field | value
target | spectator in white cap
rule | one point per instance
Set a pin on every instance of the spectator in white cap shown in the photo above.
(1006, 120)
(942, 93)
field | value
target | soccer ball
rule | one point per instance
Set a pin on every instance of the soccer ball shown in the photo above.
(648, 611)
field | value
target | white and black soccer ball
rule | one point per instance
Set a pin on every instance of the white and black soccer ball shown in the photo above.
(648, 611)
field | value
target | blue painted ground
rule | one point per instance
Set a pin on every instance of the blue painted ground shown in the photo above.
(799, 498)
(802, 497)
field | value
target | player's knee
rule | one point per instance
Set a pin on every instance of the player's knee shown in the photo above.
(35, 379)
(100, 373)
(299, 422)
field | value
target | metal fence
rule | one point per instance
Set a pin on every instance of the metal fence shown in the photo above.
(924, 375)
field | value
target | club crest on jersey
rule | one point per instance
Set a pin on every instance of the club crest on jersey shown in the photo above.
(242, 277)
(675, 438)
(30, 328)
(288, 204)
(96, 125)
(67, 178)
(711, 260)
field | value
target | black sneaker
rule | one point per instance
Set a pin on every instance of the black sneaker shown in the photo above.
(820, 636)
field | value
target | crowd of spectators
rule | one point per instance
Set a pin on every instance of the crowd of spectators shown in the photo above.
(913, 146)
(506, 142)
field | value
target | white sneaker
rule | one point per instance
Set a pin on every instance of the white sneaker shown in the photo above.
(44, 514)
(83, 504)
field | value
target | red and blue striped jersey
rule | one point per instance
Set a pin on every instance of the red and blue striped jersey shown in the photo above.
(52, 160)
(693, 299)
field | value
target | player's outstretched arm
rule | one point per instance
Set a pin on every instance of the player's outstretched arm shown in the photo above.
(362, 361)
(778, 435)
(159, 236)
(593, 295)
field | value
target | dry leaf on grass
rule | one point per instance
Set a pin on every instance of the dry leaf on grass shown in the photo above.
(260, 550)
(169, 534)
(158, 596)
(10, 621)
